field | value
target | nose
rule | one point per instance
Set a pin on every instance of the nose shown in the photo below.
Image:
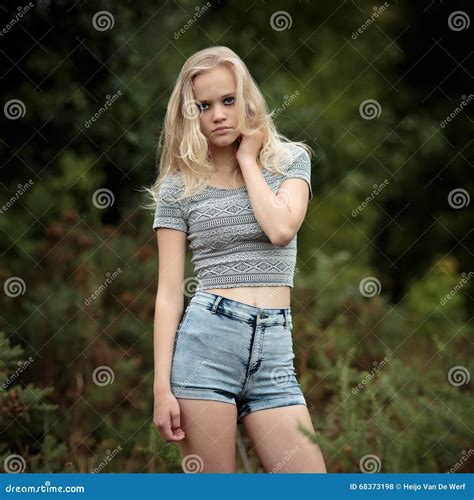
(219, 114)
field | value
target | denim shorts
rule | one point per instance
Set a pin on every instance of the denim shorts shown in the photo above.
(229, 351)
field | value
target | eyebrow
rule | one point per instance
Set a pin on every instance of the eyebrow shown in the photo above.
(222, 97)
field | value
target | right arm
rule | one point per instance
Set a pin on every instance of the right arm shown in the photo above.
(169, 306)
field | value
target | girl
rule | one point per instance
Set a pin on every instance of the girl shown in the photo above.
(237, 191)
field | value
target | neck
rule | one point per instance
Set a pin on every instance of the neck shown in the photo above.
(224, 158)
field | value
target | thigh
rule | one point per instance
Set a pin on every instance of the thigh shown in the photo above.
(210, 427)
(279, 444)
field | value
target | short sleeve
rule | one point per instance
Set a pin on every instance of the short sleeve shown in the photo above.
(169, 210)
(300, 168)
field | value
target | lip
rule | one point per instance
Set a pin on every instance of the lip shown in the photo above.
(221, 130)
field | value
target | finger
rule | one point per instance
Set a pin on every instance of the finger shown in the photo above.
(166, 432)
(175, 419)
(176, 426)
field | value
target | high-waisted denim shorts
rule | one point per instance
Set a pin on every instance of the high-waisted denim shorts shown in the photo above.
(229, 351)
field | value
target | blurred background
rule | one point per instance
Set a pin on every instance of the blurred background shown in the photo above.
(382, 316)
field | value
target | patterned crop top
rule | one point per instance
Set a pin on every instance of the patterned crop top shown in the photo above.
(229, 248)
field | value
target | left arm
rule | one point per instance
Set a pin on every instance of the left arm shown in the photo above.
(280, 215)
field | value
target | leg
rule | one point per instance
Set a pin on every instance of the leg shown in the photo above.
(210, 427)
(280, 446)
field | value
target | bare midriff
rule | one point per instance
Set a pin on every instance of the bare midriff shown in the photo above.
(258, 296)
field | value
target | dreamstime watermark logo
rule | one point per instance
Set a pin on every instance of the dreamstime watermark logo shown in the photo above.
(281, 376)
(465, 278)
(288, 100)
(465, 455)
(103, 20)
(190, 286)
(370, 464)
(22, 188)
(378, 365)
(108, 103)
(370, 286)
(14, 464)
(458, 20)
(459, 375)
(103, 198)
(109, 278)
(370, 109)
(103, 375)
(192, 464)
(22, 366)
(289, 454)
(14, 287)
(281, 198)
(377, 189)
(189, 23)
(458, 198)
(21, 11)
(458, 109)
(377, 11)
(110, 455)
(47, 487)
(281, 20)
(14, 109)
(191, 109)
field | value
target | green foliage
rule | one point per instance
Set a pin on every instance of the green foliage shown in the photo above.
(377, 375)
(164, 455)
(24, 417)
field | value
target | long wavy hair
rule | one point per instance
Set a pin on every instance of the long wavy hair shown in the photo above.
(183, 148)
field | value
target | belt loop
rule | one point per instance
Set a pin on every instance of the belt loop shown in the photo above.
(216, 303)
(286, 317)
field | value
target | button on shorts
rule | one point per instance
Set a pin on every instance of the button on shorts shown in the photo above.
(229, 351)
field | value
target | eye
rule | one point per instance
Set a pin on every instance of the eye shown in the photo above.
(201, 106)
(227, 98)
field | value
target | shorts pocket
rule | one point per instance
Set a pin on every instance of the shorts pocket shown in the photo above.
(181, 325)
(278, 345)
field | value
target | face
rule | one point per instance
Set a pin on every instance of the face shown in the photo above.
(215, 94)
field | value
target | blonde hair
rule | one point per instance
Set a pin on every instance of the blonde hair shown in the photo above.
(184, 148)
